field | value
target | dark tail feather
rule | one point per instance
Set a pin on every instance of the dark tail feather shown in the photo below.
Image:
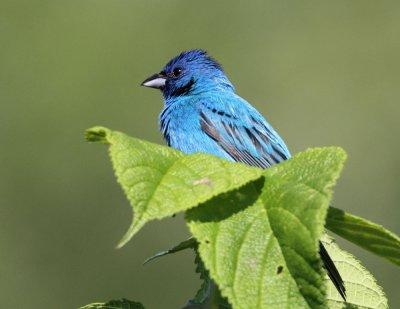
(332, 271)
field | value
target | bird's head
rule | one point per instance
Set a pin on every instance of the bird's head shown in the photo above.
(189, 73)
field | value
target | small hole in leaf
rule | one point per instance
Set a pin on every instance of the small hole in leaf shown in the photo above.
(207, 241)
(279, 270)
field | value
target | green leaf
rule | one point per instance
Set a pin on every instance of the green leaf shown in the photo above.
(362, 289)
(260, 242)
(160, 181)
(204, 292)
(186, 244)
(364, 233)
(115, 304)
(258, 231)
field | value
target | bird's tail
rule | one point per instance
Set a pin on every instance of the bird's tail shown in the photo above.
(332, 271)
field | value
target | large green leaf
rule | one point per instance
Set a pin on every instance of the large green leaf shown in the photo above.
(160, 181)
(364, 233)
(115, 304)
(258, 231)
(260, 242)
(362, 289)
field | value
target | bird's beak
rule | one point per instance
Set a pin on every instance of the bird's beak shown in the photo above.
(156, 81)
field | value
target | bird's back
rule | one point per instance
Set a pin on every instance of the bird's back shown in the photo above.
(223, 124)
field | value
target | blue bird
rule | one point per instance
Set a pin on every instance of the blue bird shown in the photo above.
(203, 113)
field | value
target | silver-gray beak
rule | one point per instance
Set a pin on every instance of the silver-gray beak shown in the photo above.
(156, 81)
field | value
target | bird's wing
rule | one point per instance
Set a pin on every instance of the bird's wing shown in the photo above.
(242, 133)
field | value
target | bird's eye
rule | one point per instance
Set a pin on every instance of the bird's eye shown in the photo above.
(176, 72)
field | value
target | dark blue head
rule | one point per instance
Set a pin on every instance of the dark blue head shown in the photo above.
(189, 73)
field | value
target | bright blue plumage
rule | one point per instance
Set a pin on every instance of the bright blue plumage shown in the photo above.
(202, 113)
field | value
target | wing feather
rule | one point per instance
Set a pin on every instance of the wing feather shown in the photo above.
(248, 141)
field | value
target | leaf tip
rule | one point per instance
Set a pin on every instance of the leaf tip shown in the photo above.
(123, 241)
(97, 134)
(133, 229)
(341, 153)
(152, 258)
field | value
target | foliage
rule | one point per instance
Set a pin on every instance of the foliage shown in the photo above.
(366, 234)
(256, 232)
(115, 304)
(362, 289)
(160, 181)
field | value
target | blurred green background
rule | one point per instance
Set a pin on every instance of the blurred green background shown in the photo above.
(323, 72)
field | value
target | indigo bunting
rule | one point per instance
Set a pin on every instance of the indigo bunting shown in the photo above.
(203, 113)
